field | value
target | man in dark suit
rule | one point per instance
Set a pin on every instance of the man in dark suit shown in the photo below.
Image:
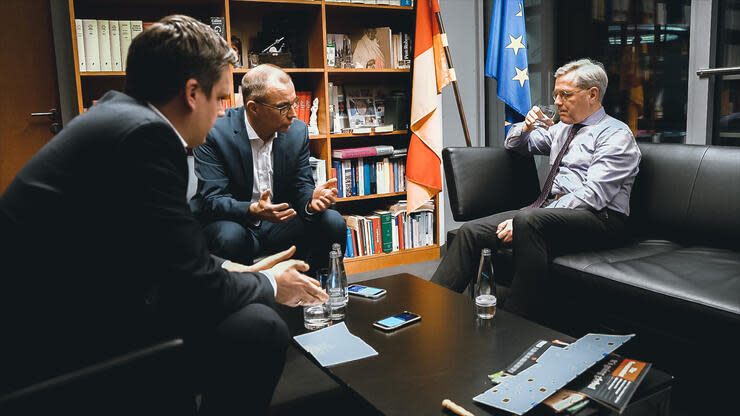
(102, 254)
(256, 191)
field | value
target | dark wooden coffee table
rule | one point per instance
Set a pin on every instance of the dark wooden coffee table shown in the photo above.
(448, 354)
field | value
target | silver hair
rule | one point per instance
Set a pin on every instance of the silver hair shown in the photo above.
(256, 82)
(588, 74)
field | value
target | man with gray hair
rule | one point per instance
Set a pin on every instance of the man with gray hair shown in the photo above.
(584, 201)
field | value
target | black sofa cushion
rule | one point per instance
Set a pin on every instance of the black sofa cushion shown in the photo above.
(693, 278)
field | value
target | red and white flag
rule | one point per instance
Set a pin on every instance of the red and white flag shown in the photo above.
(431, 74)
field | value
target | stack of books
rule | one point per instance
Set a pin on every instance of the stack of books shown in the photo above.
(369, 170)
(393, 229)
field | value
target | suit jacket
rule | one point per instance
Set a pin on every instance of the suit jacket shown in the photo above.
(100, 250)
(226, 173)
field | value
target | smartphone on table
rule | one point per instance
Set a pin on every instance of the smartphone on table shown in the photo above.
(366, 291)
(394, 322)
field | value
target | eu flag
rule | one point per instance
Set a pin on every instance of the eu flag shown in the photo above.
(506, 59)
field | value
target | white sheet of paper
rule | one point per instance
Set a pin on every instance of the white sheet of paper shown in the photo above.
(334, 345)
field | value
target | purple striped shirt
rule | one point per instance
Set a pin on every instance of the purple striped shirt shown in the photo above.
(598, 170)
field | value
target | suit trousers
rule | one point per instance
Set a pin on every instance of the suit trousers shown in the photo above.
(239, 362)
(539, 234)
(312, 237)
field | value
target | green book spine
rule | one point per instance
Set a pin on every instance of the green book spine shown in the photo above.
(386, 228)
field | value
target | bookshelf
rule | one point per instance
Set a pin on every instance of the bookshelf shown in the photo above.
(314, 19)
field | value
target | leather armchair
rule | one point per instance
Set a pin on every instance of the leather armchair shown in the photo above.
(149, 380)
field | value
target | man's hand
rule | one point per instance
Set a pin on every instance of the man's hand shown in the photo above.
(532, 116)
(293, 287)
(505, 231)
(263, 264)
(323, 196)
(265, 210)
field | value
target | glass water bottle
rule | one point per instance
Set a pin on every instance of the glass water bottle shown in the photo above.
(485, 287)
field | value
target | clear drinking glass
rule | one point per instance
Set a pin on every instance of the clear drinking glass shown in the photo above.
(551, 112)
(318, 316)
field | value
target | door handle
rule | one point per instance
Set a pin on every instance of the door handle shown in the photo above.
(53, 114)
(706, 72)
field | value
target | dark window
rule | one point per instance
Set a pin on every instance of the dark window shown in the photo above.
(727, 87)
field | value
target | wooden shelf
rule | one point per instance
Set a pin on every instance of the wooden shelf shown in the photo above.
(317, 137)
(360, 70)
(374, 6)
(314, 2)
(288, 70)
(345, 135)
(373, 196)
(396, 258)
(103, 74)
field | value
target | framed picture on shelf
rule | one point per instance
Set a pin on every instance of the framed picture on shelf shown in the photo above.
(362, 112)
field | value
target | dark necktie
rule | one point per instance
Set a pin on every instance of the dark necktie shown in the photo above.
(555, 167)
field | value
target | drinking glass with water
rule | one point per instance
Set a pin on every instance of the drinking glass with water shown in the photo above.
(317, 316)
(550, 112)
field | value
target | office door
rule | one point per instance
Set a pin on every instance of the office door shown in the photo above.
(28, 83)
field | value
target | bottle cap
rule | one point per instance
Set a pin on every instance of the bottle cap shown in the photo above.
(333, 255)
(486, 252)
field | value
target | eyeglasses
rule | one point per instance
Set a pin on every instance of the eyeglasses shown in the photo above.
(284, 109)
(564, 95)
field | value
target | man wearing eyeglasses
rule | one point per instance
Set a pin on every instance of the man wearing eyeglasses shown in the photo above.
(256, 192)
(584, 202)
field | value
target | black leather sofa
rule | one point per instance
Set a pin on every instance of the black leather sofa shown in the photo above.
(677, 279)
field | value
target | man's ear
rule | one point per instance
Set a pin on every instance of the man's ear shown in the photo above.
(191, 88)
(593, 93)
(250, 107)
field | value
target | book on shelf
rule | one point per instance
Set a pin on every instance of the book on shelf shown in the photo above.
(115, 45)
(331, 50)
(80, 44)
(124, 31)
(92, 50)
(137, 26)
(318, 170)
(104, 45)
(218, 23)
(366, 151)
(406, 51)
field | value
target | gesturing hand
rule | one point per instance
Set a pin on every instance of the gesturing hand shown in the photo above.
(293, 287)
(323, 196)
(265, 210)
(263, 264)
(505, 231)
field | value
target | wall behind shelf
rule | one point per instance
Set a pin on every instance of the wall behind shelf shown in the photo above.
(463, 20)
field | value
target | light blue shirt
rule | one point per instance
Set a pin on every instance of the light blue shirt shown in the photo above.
(598, 170)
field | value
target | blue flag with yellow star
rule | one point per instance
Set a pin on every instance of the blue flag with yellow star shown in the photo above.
(506, 59)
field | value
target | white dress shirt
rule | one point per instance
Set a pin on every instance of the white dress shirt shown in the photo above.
(261, 161)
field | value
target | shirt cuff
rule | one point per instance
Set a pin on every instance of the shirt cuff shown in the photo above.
(306, 209)
(267, 274)
(272, 280)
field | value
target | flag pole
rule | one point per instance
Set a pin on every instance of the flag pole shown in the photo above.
(448, 55)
